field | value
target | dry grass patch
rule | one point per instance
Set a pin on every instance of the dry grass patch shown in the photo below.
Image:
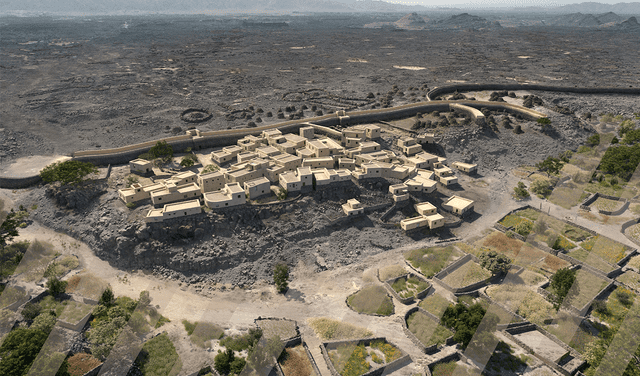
(523, 301)
(634, 231)
(530, 278)
(607, 204)
(284, 329)
(467, 274)
(435, 304)
(391, 271)
(75, 311)
(588, 286)
(512, 220)
(81, 363)
(87, 285)
(332, 330)
(409, 286)
(370, 300)
(499, 242)
(608, 249)
(631, 279)
(295, 362)
(591, 259)
(567, 197)
(35, 261)
(426, 330)
(634, 262)
(204, 332)
(431, 260)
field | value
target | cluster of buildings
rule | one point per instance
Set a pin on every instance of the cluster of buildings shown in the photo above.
(270, 162)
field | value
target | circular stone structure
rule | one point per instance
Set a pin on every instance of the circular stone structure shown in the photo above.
(195, 115)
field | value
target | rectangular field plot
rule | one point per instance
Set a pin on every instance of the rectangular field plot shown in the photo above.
(631, 279)
(432, 260)
(427, 330)
(541, 345)
(468, 273)
(588, 285)
(523, 301)
(501, 243)
(435, 304)
(295, 362)
(608, 249)
(591, 259)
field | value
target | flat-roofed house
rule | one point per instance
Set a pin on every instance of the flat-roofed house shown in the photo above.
(172, 193)
(321, 162)
(409, 146)
(368, 131)
(226, 154)
(175, 210)
(230, 195)
(432, 221)
(294, 182)
(250, 142)
(257, 188)
(326, 176)
(267, 151)
(247, 156)
(251, 170)
(435, 220)
(400, 192)
(458, 205)
(347, 163)
(425, 208)
(445, 176)
(469, 168)
(307, 132)
(138, 192)
(211, 181)
(288, 161)
(426, 138)
(297, 141)
(317, 148)
(352, 207)
(422, 182)
(140, 166)
(183, 178)
(376, 156)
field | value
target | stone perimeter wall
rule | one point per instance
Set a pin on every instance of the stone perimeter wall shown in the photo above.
(366, 341)
(420, 295)
(425, 349)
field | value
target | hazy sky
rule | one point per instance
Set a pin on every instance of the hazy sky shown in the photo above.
(489, 3)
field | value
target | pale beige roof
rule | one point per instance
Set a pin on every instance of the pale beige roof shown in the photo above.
(192, 204)
(465, 165)
(259, 181)
(234, 188)
(459, 202)
(289, 177)
(425, 206)
(434, 217)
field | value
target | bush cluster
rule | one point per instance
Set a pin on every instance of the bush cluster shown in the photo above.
(67, 172)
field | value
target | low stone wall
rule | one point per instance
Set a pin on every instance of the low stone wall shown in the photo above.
(96, 370)
(365, 341)
(389, 285)
(594, 197)
(435, 92)
(17, 183)
(438, 278)
(288, 342)
(510, 333)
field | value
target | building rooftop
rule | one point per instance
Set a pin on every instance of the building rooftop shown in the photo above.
(459, 202)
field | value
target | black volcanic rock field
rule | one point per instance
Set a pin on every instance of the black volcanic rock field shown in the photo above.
(85, 83)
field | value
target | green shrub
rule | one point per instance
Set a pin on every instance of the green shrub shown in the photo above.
(541, 187)
(242, 342)
(67, 172)
(594, 140)
(56, 286)
(159, 357)
(161, 150)
(621, 161)
(464, 320)
(520, 191)
(210, 168)
(543, 121)
(281, 277)
(19, 349)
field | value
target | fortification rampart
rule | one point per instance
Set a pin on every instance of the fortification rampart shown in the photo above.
(435, 92)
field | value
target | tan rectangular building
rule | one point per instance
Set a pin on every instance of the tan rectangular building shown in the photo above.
(230, 195)
(257, 188)
(180, 209)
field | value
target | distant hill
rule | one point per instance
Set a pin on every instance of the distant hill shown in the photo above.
(608, 19)
(599, 8)
(414, 21)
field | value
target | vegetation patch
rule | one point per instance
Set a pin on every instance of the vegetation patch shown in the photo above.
(159, 357)
(350, 360)
(75, 311)
(467, 274)
(294, 361)
(241, 342)
(522, 301)
(591, 259)
(607, 204)
(567, 196)
(332, 330)
(284, 329)
(464, 321)
(391, 271)
(621, 161)
(431, 260)
(512, 220)
(609, 250)
(81, 363)
(501, 243)
(201, 333)
(409, 286)
(615, 308)
(87, 285)
(631, 279)
(426, 330)
(371, 299)
(634, 231)
(67, 172)
(435, 304)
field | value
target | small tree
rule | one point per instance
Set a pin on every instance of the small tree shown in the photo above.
(495, 262)
(56, 286)
(550, 165)
(281, 277)
(561, 283)
(162, 150)
(222, 361)
(541, 187)
(8, 228)
(67, 172)
(107, 298)
(521, 191)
